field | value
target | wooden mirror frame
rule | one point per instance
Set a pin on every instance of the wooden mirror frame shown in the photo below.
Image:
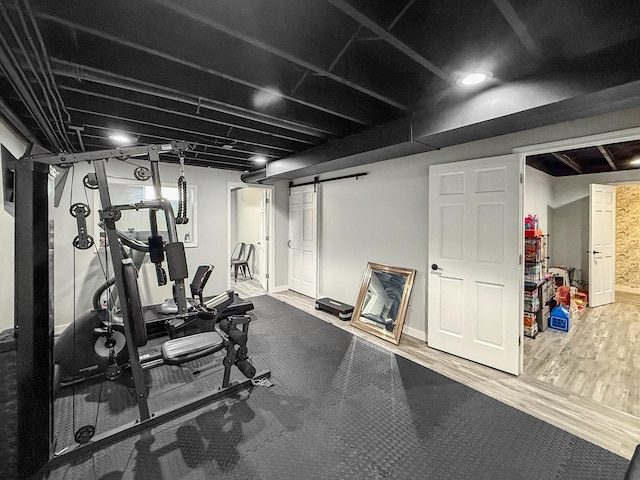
(393, 336)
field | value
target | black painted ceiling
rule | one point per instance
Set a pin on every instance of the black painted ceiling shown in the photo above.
(241, 78)
(596, 159)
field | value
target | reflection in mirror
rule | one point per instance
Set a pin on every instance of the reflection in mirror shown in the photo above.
(382, 302)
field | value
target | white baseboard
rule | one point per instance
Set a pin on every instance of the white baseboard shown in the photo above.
(625, 289)
(415, 333)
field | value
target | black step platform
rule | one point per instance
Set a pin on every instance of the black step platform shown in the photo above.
(342, 310)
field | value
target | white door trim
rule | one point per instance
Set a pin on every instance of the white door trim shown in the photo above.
(271, 251)
(581, 142)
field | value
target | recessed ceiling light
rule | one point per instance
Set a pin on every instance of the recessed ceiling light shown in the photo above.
(475, 78)
(264, 98)
(260, 159)
(227, 146)
(120, 138)
(635, 162)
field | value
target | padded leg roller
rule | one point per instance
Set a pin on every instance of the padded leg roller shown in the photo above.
(246, 368)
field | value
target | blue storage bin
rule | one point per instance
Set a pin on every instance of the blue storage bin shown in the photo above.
(560, 318)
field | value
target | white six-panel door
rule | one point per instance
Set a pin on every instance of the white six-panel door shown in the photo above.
(303, 240)
(602, 244)
(475, 276)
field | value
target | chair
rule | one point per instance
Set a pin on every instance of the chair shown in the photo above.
(238, 251)
(243, 263)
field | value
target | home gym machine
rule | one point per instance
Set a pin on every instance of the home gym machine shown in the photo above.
(35, 332)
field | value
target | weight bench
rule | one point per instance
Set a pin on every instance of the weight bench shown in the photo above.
(177, 351)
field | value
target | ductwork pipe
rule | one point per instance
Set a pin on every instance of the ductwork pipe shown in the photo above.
(256, 176)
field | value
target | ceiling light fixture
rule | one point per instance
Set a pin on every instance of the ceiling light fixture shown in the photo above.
(120, 138)
(635, 162)
(266, 97)
(475, 78)
(260, 159)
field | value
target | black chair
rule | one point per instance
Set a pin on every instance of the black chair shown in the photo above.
(238, 251)
(243, 263)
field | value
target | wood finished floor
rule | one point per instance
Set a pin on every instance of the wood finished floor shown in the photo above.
(543, 392)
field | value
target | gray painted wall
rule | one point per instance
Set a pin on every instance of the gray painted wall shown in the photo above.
(381, 217)
(280, 212)
(212, 239)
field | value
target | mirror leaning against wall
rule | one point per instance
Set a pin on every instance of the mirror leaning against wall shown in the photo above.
(382, 302)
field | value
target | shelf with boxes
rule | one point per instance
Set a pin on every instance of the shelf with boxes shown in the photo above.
(539, 287)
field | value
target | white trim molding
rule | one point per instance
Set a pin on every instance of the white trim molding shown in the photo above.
(581, 142)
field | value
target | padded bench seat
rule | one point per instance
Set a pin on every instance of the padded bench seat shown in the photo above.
(192, 347)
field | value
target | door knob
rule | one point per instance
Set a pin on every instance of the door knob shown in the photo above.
(289, 243)
(435, 267)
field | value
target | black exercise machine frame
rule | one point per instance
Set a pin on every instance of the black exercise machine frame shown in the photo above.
(33, 312)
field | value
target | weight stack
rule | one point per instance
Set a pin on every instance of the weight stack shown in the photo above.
(8, 405)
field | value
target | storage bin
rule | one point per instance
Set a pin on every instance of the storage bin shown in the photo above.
(560, 318)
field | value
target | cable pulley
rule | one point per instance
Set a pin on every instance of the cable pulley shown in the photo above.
(181, 218)
(142, 173)
(90, 181)
(84, 434)
(80, 211)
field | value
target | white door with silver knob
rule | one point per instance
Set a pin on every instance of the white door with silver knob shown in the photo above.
(475, 276)
(303, 240)
(602, 244)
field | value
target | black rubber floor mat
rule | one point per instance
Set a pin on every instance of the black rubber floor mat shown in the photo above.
(342, 407)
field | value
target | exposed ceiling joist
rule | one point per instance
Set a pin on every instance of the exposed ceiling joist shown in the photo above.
(568, 162)
(390, 39)
(194, 160)
(345, 48)
(84, 73)
(173, 128)
(171, 58)
(519, 28)
(400, 15)
(607, 156)
(184, 114)
(156, 138)
(245, 78)
(275, 51)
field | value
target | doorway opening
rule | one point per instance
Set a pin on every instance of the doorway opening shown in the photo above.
(595, 357)
(249, 242)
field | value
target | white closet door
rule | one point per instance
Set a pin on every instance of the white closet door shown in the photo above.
(303, 240)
